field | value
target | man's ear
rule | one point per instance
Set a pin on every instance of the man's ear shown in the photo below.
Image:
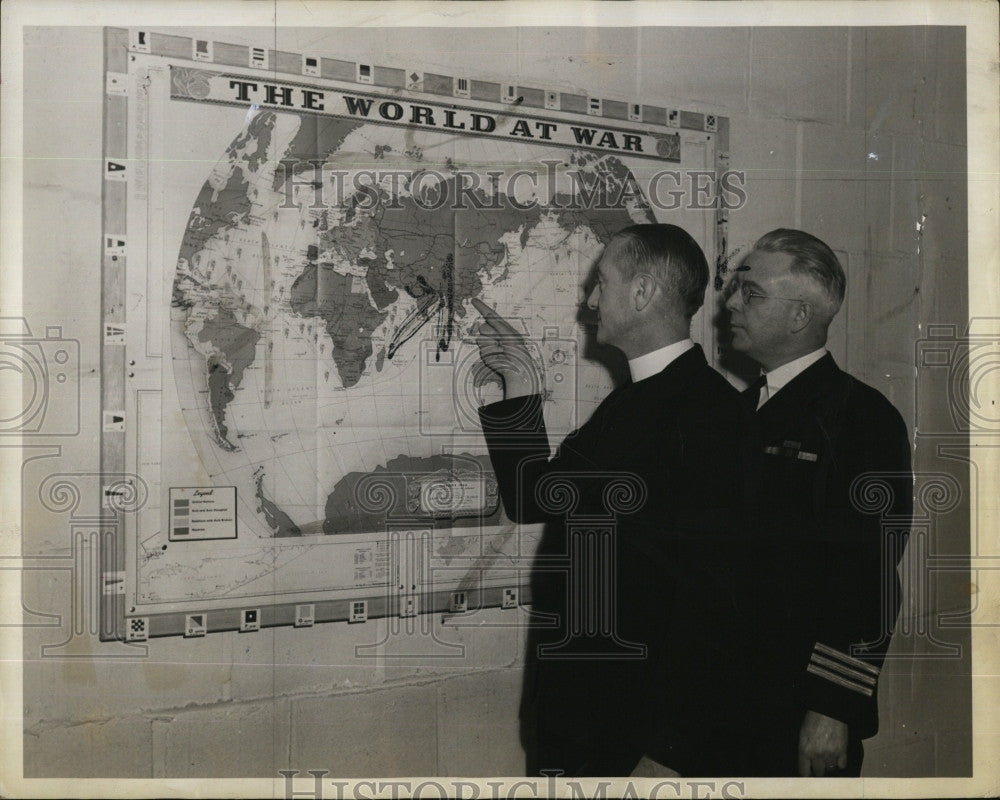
(804, 314)
(643, 289)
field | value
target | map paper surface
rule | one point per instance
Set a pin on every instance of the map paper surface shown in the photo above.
(313, 327)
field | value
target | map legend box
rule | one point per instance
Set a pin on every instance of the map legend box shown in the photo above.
(202, 513)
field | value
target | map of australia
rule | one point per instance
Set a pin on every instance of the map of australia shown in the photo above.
(322, 295)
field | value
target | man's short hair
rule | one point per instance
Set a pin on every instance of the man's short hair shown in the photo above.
(810, 257)
(671, 256)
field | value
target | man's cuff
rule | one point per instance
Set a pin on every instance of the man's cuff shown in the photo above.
(843, 670)
(515, 415)
(841, 686)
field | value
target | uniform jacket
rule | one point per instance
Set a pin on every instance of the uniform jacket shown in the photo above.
(824, 584)
(679, 435)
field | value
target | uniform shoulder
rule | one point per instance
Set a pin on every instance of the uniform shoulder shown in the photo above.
(864, 400)
(715, 384)
(713, 395)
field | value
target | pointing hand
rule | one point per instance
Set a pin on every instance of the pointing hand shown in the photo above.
(503, 350)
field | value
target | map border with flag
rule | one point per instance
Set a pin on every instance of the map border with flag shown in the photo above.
(339, 97)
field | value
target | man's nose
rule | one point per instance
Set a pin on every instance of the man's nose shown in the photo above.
(733, 298)
(593, 298)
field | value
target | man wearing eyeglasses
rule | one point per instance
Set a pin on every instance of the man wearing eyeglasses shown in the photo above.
(649, 688)
(824, 578)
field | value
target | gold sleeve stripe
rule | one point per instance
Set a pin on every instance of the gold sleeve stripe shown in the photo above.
(867, 691)
(854, 674)
(853, 662)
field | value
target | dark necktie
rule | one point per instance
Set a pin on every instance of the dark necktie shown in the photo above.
(753, 392)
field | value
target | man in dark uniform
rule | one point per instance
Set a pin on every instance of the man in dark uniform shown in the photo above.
(646, 685)
(824, 573)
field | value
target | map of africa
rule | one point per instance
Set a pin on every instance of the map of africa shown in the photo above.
(323, 325)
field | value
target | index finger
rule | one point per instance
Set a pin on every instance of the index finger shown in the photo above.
(493, 318)
(804, 765)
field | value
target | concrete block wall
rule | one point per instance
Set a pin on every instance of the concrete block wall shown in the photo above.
(442, 700)
(857, 135)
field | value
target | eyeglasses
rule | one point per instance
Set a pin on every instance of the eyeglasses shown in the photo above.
(749, 294)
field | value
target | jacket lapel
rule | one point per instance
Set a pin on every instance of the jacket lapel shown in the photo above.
(784, 409)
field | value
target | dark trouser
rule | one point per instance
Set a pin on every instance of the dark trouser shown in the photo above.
(610, 750)
(576, 759)
(582, 718)
(580, 751)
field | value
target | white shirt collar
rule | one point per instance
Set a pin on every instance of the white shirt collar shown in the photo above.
(649, 364)
(779, 377)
